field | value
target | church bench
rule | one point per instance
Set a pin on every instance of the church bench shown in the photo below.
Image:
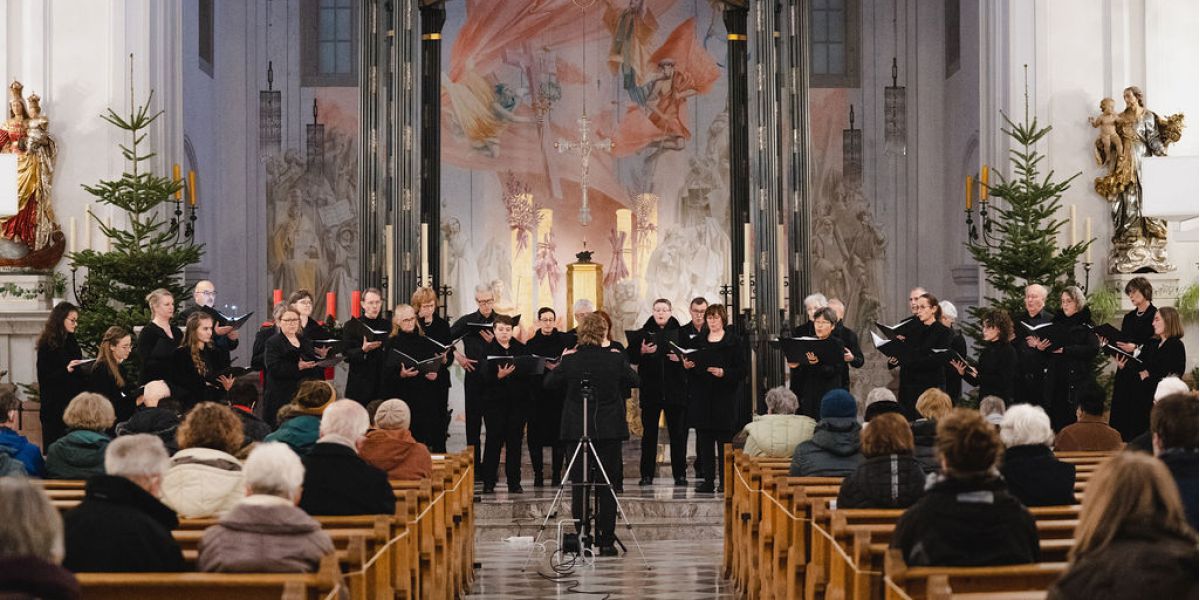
(936, 583)
(321, 585)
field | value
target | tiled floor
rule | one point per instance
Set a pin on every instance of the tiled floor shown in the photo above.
(678, 570)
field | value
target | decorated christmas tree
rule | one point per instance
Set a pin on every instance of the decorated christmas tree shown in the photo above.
(147, 253)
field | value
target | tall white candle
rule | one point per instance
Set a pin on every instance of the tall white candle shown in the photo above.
(71, 237)
(1087, 235)
(781, 246)
(425, 255)
(1074, 237)
(87, 227)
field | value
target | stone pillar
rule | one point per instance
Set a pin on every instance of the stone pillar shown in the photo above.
(433, 17)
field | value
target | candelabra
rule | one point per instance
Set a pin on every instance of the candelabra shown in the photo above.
(444, 293)
(1087, 276)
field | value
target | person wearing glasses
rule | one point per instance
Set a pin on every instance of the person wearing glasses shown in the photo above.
(289, 359)
(404, 381)
(425, 301)
(204, 298)
(545, 419)
(474, 353)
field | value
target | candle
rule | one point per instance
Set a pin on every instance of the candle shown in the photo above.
(331, 304)
(983, 181)
(356, 304)
(781, 245)
(192, 188)
(87, 226)
(1087, 234)
(389, 263)
(107, 238)
(1074, 236)
(276, 298)
(970, 184)
(425, 255)
(74, 248)
(176, 178)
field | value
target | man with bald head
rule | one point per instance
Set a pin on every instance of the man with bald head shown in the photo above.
(204, 297)
(1031, 360)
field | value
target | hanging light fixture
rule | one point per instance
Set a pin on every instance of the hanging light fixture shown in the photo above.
(852, 146)
(270, 116)
(895, 131)
(315, 139)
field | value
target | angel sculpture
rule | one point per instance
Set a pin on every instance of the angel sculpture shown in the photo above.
(1109, 147)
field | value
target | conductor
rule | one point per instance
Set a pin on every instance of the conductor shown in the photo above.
(599, 375)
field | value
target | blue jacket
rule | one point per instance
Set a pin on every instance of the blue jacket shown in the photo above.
(299, 432)
(16, 446)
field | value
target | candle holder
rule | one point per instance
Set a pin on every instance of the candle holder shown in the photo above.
(726, 292)
(444, 293)
(972, 230)
(1087, 276)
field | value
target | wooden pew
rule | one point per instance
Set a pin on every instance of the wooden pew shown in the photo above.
(937, 583)
(213, 586)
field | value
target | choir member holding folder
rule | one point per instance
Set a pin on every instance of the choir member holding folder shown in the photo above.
(197, 367)
(662, 392)
(475, 331)
(289, 358)
(996, 370)
(1031, 361)
(920, 367)
(301, 301)
(58, 374)
(158, 339)
(105, 377)
(545, 419)
(264, 333)
(225, 327)
(505, 402)
(1070, 345)
(364, 337)
(1129, 416)
(820, 358)
(715, 369)
(410, 373)
(437, 329)
(1162, 356)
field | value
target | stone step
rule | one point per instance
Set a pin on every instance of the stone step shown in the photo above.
(634, 507)
(682, 529)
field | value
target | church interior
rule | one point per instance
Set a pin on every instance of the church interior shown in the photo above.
(797, 298)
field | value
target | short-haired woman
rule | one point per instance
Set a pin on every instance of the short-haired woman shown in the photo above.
(1162, 356)
(159, 338)
(889, 477)
(997, 371)
(712, 408)
(303, 303)
(1070, 365)
(967, 517)
(546, 417)
(923, 369)
(505, 408)
(1133, 538)
(425, 301)
(265, 532)
(1130, 413)
(59, 380)
(106, 377)
(778, 432)
(933, 404)
(80, 453)
(196, 365)
(364, 336)
(1033, 474)
(205, 479)
(300, 420)
(265, 332)
(31, 544)
(289, 360)
(819, 377)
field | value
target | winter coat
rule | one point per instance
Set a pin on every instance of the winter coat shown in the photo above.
(997, 372)
(1089, 434)
(338, 482)
(19, 447)
(77, 455)
(663, 381)
(712, 400)
(120, 528)
(57, 386)
(608, 372)
(1143, 561)
(924, 441)
(967, 522)
(157, 421)
(299, 433)
(887, 481)
(155, 349)
(1036, 477)
(253, 428)
(31, 578)
(1183, 464)
(395, 452)
(777, 435)
(264, 534)
(835, 450)
(203, 482)
(362, 382)
(11, 467)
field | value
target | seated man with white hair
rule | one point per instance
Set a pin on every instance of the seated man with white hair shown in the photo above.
(157, 415)
(778, 432)
(1032, 472)
(391, 446)
(992, 408)
(266, 532)
(121, 526)
(336, 480)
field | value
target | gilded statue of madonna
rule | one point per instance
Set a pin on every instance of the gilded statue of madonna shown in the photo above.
(34, 239)
(1139, 243)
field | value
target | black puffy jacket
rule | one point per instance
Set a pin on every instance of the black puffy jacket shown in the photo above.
(888, 481)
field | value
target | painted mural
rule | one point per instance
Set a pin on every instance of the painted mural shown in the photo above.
(570, 125)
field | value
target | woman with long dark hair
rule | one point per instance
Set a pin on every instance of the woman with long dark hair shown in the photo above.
(58, 354)
(106, 377)
(196, 364)
(289, 359)
(159, 338)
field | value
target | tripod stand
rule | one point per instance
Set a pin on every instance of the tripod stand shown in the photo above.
(587, 487)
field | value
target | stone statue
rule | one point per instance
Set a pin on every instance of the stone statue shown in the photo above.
(1139, 244)
(31, 238)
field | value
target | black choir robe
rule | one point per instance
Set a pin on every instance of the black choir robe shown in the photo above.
(57, 386)
(189, 387)
(362, 382)
(101, 381)
(997, 371)
(421, 394)
(155, 348)
(1127, 402)
(283, 374)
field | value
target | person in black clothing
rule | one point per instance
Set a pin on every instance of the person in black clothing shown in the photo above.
(337, 482)
(545, 418)
(301, 301)
(922, 369)
(225, 337)
(59, 381)
(475, 341)
(157, 414)
(890, 477)
(712, 394)
(812, 303)
(854, 354)
(289, 359)
(1070, 365)
(425, 301)
(1130, 412)
(1162, 356)
(819, 377)
(603, 374)
(121, 526)
(159, 338)
(364, 349)
(264, 333)
(243, 397)
(967, 517)
(1175, 442)
(997, 370)
(402, 380)
(1030, 385)
(1029, 467)
(506, 403)
(196, 364)
(662, 392)
(958, 344)
(106, 378)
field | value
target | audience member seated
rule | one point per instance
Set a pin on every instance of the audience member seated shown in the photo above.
(336, 480)
(1173, 423)
(879, 401)
(1166, 387)
(890, 477)
(835, 447)
(967, 517)
(1090, 432)
(243, 397)
(932, 405)
(158, 415)
(80, 453)
(391, 447)
(1033, 474)
(31, 545)
(121, 526)
(266, 532)
(1133, 539)
(992, 408)
(14, 445)
(300, 420)
(778, 432)
(205, 478)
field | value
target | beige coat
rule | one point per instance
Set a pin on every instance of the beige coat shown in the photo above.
(778, 435)
(264, 534)
(203, 483)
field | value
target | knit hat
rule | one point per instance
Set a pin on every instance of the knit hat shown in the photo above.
(838, 403)
(393, 414)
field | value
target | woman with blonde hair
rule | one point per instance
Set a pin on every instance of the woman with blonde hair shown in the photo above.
(205, 478)
(159, 338)
(402, 379)
(425, 302)
(300, 421)
(106, 377)
(1133, 538)
(932, 405)
(196, 365)
(80, 453)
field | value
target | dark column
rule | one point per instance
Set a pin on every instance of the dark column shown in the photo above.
(433, 16)
(739, 150)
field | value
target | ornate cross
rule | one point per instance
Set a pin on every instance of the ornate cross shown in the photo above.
(584, 148)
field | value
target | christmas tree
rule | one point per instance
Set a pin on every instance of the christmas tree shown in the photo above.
(1020, 244)
(147, 253)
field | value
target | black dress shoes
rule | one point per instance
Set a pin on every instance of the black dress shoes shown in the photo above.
(608, 550)
(706, 487)
(516, 489)
(681, 482)
(644, 481)
(489, 488)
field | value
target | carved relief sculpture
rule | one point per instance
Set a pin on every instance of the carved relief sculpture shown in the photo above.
(31, 238)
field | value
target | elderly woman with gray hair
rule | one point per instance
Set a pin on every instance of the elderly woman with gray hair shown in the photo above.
(266, 532)
(391, 447)
(778, 432)
(1070, 356)
(31, 544)
(1033, 474)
